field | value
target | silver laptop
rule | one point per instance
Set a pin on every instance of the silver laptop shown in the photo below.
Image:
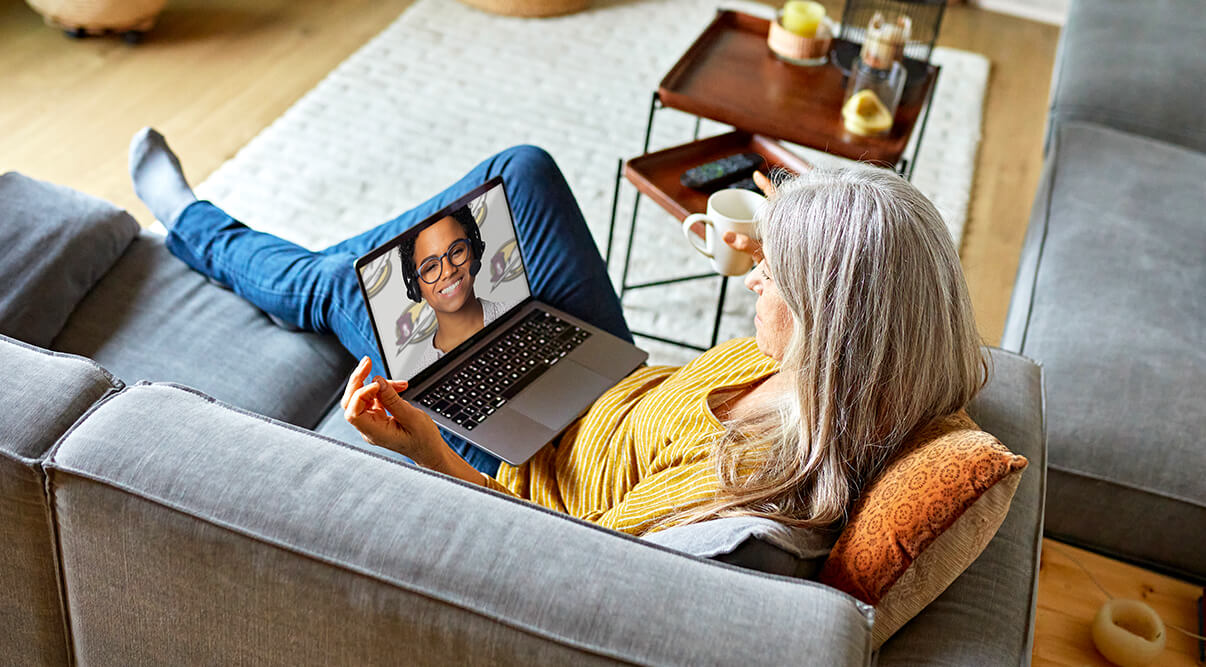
(454, 315)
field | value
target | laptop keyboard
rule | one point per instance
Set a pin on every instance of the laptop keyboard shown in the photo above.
(485, 382)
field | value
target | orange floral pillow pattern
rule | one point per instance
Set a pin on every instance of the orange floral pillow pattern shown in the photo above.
(941, 472)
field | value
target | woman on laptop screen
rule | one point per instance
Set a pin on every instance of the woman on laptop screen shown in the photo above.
(440, 266)
(863, 334)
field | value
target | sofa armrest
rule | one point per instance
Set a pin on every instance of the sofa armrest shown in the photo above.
(190, 526)
(55, 244)
(41, 395)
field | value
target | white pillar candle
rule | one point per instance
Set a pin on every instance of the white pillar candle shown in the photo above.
(1128, 633)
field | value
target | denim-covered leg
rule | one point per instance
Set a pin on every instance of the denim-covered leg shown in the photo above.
(564, 266)
(312, 291)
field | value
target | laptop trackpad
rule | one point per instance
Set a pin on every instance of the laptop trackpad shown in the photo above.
(561, 394)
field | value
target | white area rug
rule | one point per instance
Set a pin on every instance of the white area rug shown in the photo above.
(445, 86)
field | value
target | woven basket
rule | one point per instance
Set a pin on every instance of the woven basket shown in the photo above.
(529, 8)
(100, 15)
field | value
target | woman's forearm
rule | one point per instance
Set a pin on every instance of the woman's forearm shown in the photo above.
(448, 462)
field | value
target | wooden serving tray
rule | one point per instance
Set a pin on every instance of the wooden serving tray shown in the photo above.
(730, 75)
(656, 174)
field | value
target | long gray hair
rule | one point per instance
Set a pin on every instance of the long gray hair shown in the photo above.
(884, 341)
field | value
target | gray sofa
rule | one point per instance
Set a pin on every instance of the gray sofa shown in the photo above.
(165, 499)
(1111, 289)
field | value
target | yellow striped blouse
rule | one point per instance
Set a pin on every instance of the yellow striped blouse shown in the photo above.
(643, 450)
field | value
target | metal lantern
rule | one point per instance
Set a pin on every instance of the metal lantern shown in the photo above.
(925, 17)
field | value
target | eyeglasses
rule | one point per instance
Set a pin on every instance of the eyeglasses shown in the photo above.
(432, 268)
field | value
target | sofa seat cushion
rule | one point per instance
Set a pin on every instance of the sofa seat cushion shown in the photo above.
(41, 395)
(55, 243)
(1109, 298)
(343, 557)
(1133, 66)
(154, 318)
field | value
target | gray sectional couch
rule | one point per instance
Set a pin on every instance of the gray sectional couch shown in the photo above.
(165, 498)
(1111, 290)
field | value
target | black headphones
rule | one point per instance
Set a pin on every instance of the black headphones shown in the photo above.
(410, 273)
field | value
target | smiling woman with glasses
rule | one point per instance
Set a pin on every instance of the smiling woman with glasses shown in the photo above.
(439, 265)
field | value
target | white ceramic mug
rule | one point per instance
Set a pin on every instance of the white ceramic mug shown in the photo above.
(728, 211)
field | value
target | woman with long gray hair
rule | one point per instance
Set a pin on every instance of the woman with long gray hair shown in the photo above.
(864, 304)
(863, 334)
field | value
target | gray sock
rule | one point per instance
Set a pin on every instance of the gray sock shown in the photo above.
(158, 179)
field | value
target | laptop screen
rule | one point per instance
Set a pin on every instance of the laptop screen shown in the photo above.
(432, 288)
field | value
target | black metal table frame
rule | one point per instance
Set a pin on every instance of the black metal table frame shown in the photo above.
(904, 168)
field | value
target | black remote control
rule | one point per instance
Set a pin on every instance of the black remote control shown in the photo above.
(746, 183)
(720, 173)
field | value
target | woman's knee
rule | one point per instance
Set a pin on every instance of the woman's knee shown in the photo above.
(527, 159)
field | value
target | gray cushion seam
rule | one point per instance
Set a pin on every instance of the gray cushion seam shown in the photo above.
(1057, 72)
(115, 381)
(60, 578)
(1101, 119)
(26, 461)
(527, 504)
(1036, 554)
(1038, 260)
(994, 350)
(1123, 485)
(105, 398)
(1057, 80)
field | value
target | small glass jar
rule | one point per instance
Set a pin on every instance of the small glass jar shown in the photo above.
(887, 84)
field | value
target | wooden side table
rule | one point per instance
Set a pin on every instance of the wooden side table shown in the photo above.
(729, 75)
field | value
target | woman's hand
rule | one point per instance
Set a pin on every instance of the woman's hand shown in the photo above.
(764, 184)
(742, 242)
(385, 420)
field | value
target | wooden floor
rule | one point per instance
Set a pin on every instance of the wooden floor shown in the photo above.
(213, 73)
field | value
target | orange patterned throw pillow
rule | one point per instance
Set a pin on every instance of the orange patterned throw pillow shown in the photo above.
(924, 520)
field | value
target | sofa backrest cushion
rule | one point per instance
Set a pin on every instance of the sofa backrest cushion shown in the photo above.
(1132, 66)
(190, 528)
(41, 395)
(153, 318)
(55, 243)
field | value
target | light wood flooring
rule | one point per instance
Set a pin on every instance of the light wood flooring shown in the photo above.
(213, 73)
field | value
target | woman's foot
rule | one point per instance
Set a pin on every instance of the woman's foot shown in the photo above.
(158, 179)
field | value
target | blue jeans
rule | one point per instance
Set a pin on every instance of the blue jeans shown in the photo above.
(318, 291)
